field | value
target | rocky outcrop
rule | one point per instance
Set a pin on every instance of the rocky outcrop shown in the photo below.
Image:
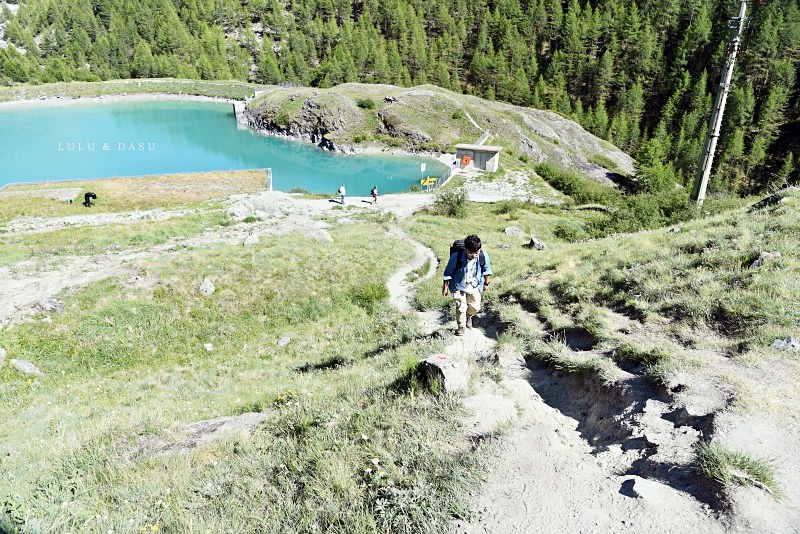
(362, 118)
(308, 115)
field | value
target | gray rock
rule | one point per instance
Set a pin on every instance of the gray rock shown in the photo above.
(789, 343)
(251, 240)
(513, 230)
(764, 257)
(206, 288)
(239, 211)
(453, 374)
(3, 355)
(536, 244)
(284, 340)
(50, 305)
(651, 491)
(322, 225)
(321, 235)
(25, 367)
(505, 246)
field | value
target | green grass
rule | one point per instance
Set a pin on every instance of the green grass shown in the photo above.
(728, 467)
(351, 442)
(604, 161)
(172, 191)
(215, 89)
(356, 450)
(96, 240)
(659, 364)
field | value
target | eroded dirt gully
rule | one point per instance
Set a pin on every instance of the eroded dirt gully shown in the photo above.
(570, 452)
(591, 456)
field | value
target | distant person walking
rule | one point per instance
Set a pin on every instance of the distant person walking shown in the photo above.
(374, 193)
(467, 276)
(342, 192)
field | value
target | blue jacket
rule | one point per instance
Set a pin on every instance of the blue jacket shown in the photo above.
(457, 276)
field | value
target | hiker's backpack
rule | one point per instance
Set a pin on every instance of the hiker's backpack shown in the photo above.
(458, 246)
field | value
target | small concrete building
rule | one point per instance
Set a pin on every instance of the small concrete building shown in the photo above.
(478, 157)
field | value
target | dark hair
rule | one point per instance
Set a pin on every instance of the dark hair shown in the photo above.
(472, 243)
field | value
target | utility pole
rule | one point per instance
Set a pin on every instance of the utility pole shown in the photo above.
(714, 124)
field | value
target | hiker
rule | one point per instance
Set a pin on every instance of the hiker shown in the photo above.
(342, 192)
(374, 194)
(467, 276)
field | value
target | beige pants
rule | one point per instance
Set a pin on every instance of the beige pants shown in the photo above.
(467, 305)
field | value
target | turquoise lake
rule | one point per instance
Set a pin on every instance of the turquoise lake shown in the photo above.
(102, 140)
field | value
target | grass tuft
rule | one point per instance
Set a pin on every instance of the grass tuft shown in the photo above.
(732, 467)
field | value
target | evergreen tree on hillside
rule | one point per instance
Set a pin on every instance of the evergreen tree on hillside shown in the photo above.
(630, 71)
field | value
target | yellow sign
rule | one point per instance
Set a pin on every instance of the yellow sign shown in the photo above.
(428, 181)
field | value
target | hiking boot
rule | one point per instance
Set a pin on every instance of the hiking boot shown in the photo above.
(461, 331)
(469, 321)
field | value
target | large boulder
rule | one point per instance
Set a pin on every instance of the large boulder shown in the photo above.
(451, 373)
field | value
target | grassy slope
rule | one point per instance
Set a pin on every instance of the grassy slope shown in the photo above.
(347, 448)
(233, 90)
(349, 445)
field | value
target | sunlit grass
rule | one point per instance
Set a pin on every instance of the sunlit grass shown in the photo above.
(129, 194)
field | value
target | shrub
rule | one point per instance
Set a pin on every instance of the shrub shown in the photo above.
(369, 296)
(582, 189)
(251, 219)
(503, 207)
(359, 138)
(605, 162)
(365, 103)
(570, 231)
(451, 202)
(648, 210)
(458, 113)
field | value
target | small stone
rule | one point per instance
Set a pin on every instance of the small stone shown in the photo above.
(764, 257)
(513, 230)
(284, 340)
(3, 355)
(322, 225)
(25, 367)
(251, 240)
(206, 288)
(321, 235)
(209, 347)
(536, 244)
(505, 246)
(789, 343)
(50, 305)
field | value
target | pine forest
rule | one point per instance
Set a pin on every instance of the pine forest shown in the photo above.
(641, 74)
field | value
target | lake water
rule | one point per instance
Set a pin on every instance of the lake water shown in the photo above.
(100, 140)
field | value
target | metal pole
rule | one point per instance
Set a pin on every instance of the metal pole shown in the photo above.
(715, 123)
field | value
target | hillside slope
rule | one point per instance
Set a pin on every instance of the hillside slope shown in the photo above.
(358, 118)
(664, 353)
